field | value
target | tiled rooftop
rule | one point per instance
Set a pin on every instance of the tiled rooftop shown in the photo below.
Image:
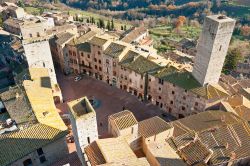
(123, 119)
(98, 41)
(218, 131)
(19, 144)
(63, 38)
(153, 126)
(134, 34)
(18, 105)
(141, 65)
(39, 93)
(114, 50)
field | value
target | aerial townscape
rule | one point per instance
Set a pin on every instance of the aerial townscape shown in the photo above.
(124, 83)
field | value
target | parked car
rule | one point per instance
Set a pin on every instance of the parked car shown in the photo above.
(77, 78)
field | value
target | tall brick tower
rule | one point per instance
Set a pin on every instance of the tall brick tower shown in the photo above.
(212, 48)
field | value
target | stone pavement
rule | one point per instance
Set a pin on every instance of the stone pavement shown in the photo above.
(112, 100)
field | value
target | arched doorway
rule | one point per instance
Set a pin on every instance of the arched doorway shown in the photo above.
(180, 116)
(149, 97)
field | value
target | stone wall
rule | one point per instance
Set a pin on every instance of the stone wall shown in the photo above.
(52, 152)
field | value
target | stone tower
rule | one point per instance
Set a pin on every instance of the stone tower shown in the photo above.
(84, 124)
(212, 48)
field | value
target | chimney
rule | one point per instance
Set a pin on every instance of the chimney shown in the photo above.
(17, 95)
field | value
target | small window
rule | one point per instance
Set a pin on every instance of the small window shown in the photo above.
(130, 80)
(88, 140)
(107, 61)
(42, 159)
(100, 61)
(95, 59)
(183, 108)
(88, 56)
(95, 67)
(196, 104)
(149, 80)
(171, 102)
(159, 97)
(99, 53)
(27, 162)
(184, 98)
(159, 89)
(81, 54)
(141, 86)
(173, 92)
(220, 47)
(100, 69)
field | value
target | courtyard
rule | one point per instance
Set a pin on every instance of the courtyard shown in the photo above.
(110, 100)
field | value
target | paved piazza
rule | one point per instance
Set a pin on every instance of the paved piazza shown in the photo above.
(111, 100)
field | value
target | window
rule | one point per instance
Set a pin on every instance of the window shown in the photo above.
(38, 34)
(184, 98)
(130, 80)
(183, 108)
(30, 35)
(149, 79)
(141, 86)
(114, 73)
(171, 102)
(42, 159)
(43, 64)
(220, 47)
(81, 54)
(169, 110)
(196, 103)
(95, 67)
(161, 81)
(100, 61)
(173, 92)
(161, 105)
(159, 89)
(95, 59)
(82, 62)
(126, 78)
(99, 53)
(40, 151)
(107, 61)
(100, 69)
(88, 140)
(27, 162)
(88, 56)
(159, 97)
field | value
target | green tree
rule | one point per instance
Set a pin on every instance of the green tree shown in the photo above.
(20, 4)
(87, 20)
(112, 25)
(108, 25)
(93, 20)
(231, 61)
(101, 23)
(125, 27)
(121, 27)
